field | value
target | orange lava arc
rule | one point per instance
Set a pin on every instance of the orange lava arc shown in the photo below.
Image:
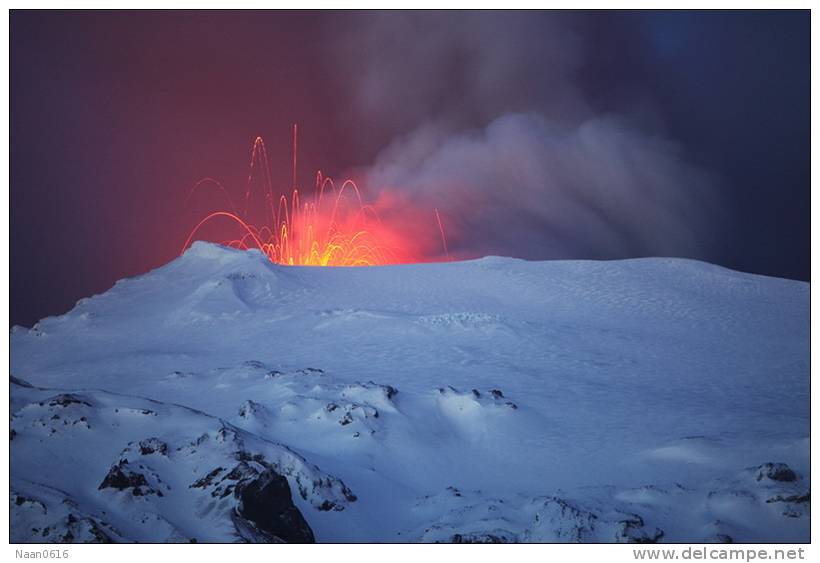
(334, 226)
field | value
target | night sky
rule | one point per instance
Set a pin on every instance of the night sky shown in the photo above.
(538, 135)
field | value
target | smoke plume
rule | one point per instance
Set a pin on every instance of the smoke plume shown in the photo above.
(484, 116)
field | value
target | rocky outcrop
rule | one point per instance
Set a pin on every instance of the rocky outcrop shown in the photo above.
(122, 477)
(776, 472)
(239, 486)
(265, 502)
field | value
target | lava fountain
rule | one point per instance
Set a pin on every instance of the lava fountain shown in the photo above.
(333, 226)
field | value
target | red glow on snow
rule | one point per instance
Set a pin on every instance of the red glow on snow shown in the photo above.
(333, 226)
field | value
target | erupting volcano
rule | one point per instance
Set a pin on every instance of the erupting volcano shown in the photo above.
(334, 226)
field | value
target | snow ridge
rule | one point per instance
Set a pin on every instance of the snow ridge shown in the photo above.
(225, 398)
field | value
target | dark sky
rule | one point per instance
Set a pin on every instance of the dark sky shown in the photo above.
(539, 135)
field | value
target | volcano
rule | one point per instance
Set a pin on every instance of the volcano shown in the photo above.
(225, 398)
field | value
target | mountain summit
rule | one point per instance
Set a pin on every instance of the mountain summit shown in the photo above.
(225, 398)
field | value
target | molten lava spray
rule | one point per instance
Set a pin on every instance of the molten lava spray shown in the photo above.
(331, 227)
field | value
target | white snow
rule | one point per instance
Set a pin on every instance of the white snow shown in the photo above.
(493, 399)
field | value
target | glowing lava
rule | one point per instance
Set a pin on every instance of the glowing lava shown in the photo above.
(331, 227)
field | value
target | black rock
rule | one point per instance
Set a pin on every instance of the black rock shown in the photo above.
(266, 502)
(122, 477)
(207, 480)
(391, 391)
(85, 530)
(66, 399)
(776, 472)
(153, 446)
(797, 499)
(478, 538)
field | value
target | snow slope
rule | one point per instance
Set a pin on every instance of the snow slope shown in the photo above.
(487, 400)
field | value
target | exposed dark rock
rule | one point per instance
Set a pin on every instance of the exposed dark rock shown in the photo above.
(83, 530)
(776, 472)
(250, 409)
(243, 455)
(65, 399)
(346, 411)
(492, 397)
(390, 391)
(252, 468)
(480, 538)
(228, 435)
(20, 500)
(153, 446)
(790, 512)
(327, 506)
(567, 522)
(266, 502)
(797, 499)
(241, 471)
(207, 480)
(634, 531)
(122, 477)
(795, 506)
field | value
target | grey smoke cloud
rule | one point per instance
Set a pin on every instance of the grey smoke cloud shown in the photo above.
(488, 122)
(457, 68)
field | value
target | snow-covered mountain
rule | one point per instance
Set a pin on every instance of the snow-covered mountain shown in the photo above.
(224, 398)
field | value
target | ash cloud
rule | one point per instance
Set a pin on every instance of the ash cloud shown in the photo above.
(484, 116)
